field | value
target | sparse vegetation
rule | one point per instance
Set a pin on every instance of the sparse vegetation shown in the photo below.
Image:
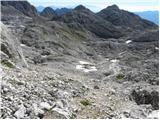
(45, 34)
(72, 33)
(7, 63)
(84, 89)
(85, 102)
(120, 76)
(12, 81)
(5, 50)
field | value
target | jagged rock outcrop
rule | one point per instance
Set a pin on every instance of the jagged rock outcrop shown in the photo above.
(120, 17)
(48, 12)
(146, 96)
(91, 22)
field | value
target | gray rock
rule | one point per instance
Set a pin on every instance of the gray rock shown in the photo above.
(146, 96)
(45, 106)
(38, 112)
(54, 115)
(20, 113)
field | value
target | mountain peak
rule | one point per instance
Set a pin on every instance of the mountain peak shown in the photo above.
(114, 7)
(48, 8)
(80, 7)
(48, 12)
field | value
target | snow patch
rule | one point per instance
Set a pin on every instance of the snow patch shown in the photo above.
(22, 26)
(79, 67)
(90, 70)
(23, 45)
(156, 48)
(128, 41)
(44, 56)
(153, 115)
(86, 67)
(85, 63)
(114, 61)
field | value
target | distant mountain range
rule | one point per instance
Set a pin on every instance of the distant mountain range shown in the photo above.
(59, 11)
(148, 15)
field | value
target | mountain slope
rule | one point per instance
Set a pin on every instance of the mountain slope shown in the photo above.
(124, 18)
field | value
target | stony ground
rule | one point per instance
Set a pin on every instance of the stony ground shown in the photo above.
(52, 69)
(45, 92)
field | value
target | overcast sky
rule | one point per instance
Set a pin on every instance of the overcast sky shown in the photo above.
(97, 5)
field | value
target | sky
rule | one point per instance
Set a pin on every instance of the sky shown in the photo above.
(97, 5)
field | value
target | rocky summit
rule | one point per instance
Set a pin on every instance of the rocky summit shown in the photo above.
(79, 64)
(48, 12)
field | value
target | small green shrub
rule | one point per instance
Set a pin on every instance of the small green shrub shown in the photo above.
(12, 81)
(120, 76)
(85, 102)
(5, 49)
(7, 63)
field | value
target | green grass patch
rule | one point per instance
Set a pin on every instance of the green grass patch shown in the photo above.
(5, 49)
(12, 81)
(120, 76)
(7, 63)
(85, 102)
